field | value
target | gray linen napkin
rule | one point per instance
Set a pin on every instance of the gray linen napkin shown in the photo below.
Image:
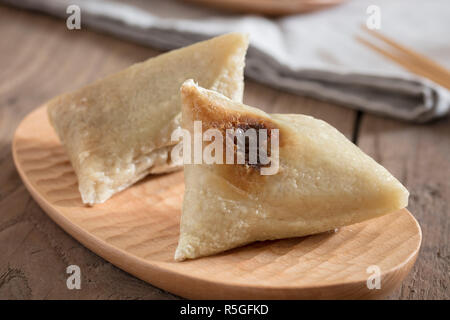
(312, 54)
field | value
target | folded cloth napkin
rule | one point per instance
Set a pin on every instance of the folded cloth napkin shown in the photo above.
(312, 54)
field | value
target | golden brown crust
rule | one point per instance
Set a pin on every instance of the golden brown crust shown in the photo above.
(218, 114)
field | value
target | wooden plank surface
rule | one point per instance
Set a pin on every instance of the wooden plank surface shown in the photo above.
(40, 58)
(419, 156)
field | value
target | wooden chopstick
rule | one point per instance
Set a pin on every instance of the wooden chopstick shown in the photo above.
(407, 64)
(409, 52)
(409, 59)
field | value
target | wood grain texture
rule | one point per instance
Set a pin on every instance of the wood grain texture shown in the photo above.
(138, 231)
(40, 58)
(419, 156)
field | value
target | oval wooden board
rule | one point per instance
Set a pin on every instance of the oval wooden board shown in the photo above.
(268, 7)
(137, 230)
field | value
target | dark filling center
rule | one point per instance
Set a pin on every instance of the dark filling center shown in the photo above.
(263, 143)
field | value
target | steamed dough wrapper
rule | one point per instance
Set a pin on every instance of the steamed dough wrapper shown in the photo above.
(324, 181)
(118, 130)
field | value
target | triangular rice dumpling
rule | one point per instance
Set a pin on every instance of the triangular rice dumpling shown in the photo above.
(323, 180)
(118, 129)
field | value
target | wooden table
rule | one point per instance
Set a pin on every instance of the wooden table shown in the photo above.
(40, 58)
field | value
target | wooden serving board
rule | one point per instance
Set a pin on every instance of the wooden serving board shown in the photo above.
(137, 230)
(268, 7)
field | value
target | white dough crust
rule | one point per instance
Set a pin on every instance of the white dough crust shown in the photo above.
(324, 182)
(118, 129)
